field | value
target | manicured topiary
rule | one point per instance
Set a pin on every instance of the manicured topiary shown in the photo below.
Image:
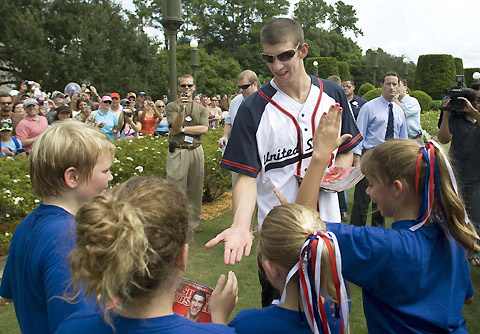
(343, 69)
(434, 73)
(372, 94)
(458, 66)
(436, 105)
(326, 66)
(365, 88)
(469, 75)
(423, 98)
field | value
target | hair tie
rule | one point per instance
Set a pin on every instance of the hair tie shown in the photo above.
(432, 183)
(309, 273)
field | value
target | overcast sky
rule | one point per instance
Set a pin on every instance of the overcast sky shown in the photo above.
(415, 27)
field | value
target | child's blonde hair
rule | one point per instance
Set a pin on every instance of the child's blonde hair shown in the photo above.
(128, 241)
(283, 234)
(61, 146)
(396, 159)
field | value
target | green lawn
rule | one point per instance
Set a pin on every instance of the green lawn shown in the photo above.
(205, 265)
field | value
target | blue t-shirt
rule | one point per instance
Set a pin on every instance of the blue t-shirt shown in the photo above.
(412, 282)
(275, 319)
(10, 146)
(92, 322)
(37, 272)
(110, 119)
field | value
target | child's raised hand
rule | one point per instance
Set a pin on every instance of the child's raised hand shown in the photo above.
(326, 139)
(224, 299)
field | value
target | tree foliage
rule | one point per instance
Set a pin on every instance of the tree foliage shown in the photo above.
(434, 74)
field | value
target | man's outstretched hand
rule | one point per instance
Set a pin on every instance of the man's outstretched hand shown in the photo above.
(237, 241)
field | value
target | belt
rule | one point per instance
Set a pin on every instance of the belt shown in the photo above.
(188, 147)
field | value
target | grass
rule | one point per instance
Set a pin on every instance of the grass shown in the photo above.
(205, 265)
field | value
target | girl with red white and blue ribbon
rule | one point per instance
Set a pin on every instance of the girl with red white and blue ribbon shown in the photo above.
(415, 276)
(302, 260)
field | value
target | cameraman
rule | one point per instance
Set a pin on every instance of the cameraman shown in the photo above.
(460, 125)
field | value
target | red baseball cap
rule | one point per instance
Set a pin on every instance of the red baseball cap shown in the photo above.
(115, 95)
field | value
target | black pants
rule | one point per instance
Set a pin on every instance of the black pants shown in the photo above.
(269, 293)
(361, 202)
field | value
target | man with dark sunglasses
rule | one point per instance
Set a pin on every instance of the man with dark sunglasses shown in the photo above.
(247, 84)
(271, 142)
(187, 122)
(5, 106)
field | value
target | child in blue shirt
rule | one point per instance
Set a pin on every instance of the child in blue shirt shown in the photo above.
(415, 276)
(69, 164)
(9, 146)
(130, 254)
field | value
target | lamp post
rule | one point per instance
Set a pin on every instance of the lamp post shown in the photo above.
(374, 60)
(405, 67)
(476, 76)
(194, 59)
(315, 68)
(172, 20)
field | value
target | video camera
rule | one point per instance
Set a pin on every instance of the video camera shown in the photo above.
(460, 90)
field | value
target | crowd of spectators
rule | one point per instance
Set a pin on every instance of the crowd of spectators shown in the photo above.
(27, 112)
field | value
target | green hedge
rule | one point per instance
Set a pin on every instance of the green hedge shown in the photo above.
(139, 156)
(343, 70)
(423, 98)
(436, 105)
(366, 87)
(435, 73)
(458, 66)
(326, 66)
(469, 75)
(372, 94)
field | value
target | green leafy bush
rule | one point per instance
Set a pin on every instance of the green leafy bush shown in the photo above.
(423, 98)
(436, 105)
(366, 87)
(469, 75)
(429, 120)
(435, 73)
(326, 66)
(372, 94)
(138, 156)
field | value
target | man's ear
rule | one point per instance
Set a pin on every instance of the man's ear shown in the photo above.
(303, 50)
(71, 177)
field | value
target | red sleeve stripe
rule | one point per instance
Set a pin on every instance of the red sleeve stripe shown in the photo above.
(352, 141)
(241, 166)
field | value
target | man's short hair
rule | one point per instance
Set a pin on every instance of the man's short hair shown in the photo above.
(250, 75)
(476, 86)
(185, 76)
(349, 79)
(403, 81)
(334, 78)
(390, 74)
(281, 30)
(61, 146)
(6, 95)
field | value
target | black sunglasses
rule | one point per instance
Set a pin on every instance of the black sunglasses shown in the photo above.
(107, 102)
(245, 86)
(284, 56)
(347, 86)
(186, 85)
(5, 103)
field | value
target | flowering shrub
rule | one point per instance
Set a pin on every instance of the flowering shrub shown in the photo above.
(138, 156)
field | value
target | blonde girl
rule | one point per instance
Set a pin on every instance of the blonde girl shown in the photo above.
(415, 276)
(131, 251)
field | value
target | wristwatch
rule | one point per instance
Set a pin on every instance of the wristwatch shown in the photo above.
(183, 129)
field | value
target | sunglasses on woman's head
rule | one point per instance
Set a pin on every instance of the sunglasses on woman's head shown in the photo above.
(284, 56)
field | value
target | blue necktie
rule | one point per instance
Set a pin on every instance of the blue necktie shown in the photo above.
(389, 133)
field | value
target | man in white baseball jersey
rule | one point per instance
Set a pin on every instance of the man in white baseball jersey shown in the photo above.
(271, 142)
